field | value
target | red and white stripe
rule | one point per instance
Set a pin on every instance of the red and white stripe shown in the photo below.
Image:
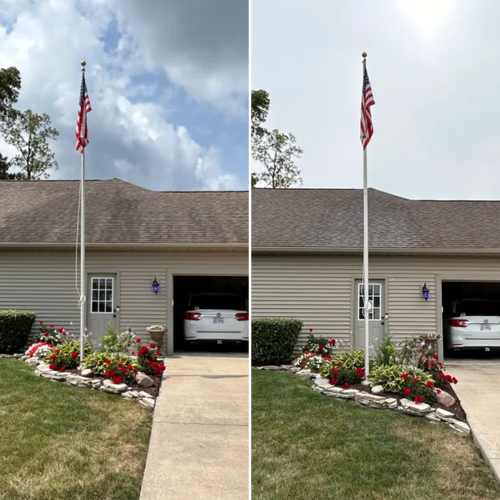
(82, 136)
(367, 101)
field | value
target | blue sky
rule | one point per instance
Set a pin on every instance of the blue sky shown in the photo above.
(168, 84)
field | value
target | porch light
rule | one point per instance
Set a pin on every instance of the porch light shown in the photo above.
(156, 286)
(425, 291)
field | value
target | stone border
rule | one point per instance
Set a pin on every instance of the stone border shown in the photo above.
(42, 370)
(322, 386)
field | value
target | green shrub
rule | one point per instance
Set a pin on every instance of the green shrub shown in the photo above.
(118, 367)
(319, 345)
(15, 328)
(118, 342)
(386, 351)
(274, 339)
(147, 358)
(345, 368)
(66, 355)
(400, 379)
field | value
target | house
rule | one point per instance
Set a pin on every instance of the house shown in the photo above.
(188, 241)
(307, 260)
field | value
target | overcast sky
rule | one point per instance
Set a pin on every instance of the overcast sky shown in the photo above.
(435, 74)
(167, 80)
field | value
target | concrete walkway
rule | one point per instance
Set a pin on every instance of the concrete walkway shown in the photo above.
(199, 446)
(478, 388)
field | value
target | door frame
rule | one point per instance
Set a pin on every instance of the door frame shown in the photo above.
(117, 295)
(354, 302)
(466, 276)
(193, 271)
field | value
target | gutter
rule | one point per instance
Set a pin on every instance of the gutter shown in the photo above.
(129, 246)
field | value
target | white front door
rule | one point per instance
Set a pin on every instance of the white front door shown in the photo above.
(376, 315)
(101, 306)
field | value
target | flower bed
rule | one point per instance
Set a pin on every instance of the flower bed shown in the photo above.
(112, 369)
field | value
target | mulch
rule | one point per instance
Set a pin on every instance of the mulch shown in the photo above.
(456, 408)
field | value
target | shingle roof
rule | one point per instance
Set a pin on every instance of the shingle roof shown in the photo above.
(118, 212)
(333, 218)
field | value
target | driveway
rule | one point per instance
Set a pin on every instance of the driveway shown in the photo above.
(477, 388)
(199, 446)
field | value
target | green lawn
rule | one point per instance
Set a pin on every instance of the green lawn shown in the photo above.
(305, 446)
(59, 442)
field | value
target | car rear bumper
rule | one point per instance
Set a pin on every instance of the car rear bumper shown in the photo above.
(457, 341)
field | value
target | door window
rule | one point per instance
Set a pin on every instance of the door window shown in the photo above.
(102, 295)
(375, 296)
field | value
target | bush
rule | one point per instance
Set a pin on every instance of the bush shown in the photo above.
(319, 345)
(346, 368)
(118, 367)
(148, 360)
(413, 383)
(118, 342)
(52, 335)
(274, 339)
(15, 328)
(386, 351)
(66, 356)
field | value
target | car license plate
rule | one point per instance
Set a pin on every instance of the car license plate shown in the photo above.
(218, 321)
(485, 327)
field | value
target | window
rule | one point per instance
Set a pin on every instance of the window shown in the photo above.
(102, 295)
(374, 295)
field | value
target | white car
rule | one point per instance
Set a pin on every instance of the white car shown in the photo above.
(474, 324)
(216, 317)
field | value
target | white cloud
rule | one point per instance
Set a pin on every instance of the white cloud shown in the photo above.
(127, 139)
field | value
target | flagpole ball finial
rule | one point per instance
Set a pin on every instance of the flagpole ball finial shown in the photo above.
(84, 64)
(364, 54)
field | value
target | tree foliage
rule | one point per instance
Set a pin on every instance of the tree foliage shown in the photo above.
(10, 84)
(29, 133)
(260, 110)
(277, 151)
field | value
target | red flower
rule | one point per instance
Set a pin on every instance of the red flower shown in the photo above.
(153, 346)
(332, 342)
(438, 391)
(407, 391)
(441, 375)
(404, 376)
(130, 367)
(418, 399)
(320, 347)
(346, 384)
(108, 361)
(148, 362)
(448, 378)
(51, 326)
(137, 340)
(432, 364)
(58, 351)
(361, 374)
(335, 371)
(46, 334)
(340, 363)
(135, 373)
(62, 369)
(158, 353)
(454, 380)
(333, 381)
(74, 354)
(415, 380)
(119, 365)
(60, 330)
(52, 366)
(155, 364)
(53, 356)
(117, 380)
(133, 354)
(311, 330)
(429, 383)
(41, 322)
(435, 356)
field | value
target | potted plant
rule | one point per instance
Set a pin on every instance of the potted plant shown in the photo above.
(157, 333)
(429, 343)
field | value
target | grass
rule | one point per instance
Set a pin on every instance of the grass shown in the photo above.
(59, 442)
(305, 445)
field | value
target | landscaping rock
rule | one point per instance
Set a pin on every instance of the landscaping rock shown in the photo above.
(143, 394)
(143, 380)
(444, 414)
(295, 369)
(59, 376)
(79, 381)
(365, 397)
(461, 426)
(42, 367)
(322, 382)
(8, 356)
(87, 372)
(23, 358)
(33, 361)
(405, 402)
(96, 382)
(306, 373)
(148, 402)
(129, 394)
(378, 389)
(333, 391)
(108, 386)
(418, 408)
(286, 368)
(431, 417)
(17, 356)
(445, 399)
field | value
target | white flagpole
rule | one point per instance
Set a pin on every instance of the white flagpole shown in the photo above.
(82, 253)
(82, 261)
(365, 267)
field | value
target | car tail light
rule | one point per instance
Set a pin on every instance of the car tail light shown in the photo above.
(241, 316)
(193, 316)
(461, 323)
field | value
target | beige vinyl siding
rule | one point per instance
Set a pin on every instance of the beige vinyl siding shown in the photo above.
(319, 289)
(44, 282)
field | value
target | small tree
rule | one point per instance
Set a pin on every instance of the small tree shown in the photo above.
(4, 169)
(10, 84)
(276, 151)
(29, 132)
(260, 109)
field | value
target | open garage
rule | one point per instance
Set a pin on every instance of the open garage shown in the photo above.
(185, 286)
(470, 299)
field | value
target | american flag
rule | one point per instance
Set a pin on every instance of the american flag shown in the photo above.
(82, 137)
(367, 102)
